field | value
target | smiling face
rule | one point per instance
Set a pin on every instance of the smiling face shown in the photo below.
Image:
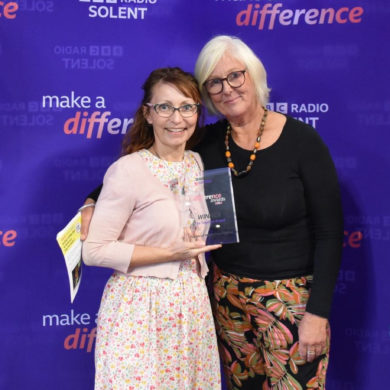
(173, 132)
(233, 102)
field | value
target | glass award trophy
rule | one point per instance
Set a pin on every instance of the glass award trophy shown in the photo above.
(219, 220)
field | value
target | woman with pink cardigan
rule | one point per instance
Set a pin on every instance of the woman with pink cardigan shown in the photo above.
(155, 326)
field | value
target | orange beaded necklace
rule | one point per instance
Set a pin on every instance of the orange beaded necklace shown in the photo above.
(252, 157)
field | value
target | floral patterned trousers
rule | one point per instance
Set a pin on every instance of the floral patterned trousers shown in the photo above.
(257, 326)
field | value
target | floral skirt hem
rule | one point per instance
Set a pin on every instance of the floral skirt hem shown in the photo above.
(156, 333)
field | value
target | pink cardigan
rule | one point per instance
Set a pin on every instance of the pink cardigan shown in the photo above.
(134, 208)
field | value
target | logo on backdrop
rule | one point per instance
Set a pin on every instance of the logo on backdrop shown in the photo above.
(87, 123)
(89, 57)
(269, 15)
(118, 9)
(371, 227)
(370, 112)
(85, 168)
(8, 9)
(305, 112)
(346, 278)
(352, 239)
(82, 336)
(39, 6)
(24, 114)
(370, 341)
(345, 165)
(30, 226)
(7, 238)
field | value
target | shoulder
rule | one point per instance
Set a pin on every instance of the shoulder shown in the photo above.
(307, 143)
(216, 126)
(192, 154)
(129, 160)
(195, 157)
(215, 130)
(298, 127)
(126, 178)
(302, 134)
(125, 165)
(211, 134)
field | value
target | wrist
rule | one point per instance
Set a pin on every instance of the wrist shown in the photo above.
(314, 318)
(86, 206)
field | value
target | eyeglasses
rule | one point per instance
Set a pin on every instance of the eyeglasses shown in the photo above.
(166, 110)
(234, 79)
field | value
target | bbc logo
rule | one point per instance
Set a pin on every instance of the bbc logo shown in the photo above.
(279, 107)
(99, 1)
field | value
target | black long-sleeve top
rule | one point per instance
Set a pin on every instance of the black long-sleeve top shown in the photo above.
(288, 210)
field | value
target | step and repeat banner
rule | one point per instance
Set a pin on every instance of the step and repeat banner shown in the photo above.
(70, 81)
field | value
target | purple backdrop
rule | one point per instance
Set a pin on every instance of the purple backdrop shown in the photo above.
(62, 63)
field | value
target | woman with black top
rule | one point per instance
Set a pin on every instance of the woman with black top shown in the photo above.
(272, 292)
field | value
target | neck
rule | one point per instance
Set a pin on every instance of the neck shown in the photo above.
(168, 154)
(245, 128)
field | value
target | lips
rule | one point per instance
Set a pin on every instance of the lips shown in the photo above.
(181, 130)
(231, 100)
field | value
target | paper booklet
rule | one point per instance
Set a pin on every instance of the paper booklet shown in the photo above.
(69, 241)
(218, 224)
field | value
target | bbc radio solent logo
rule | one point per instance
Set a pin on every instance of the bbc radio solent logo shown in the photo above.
(305, 112)
(118, 9)
(89, 57)
(85, 122)
(268, 15)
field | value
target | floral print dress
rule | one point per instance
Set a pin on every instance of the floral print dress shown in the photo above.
(158, 333)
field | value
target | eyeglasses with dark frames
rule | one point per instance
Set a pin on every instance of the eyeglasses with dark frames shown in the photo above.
(234, 79)
(166, 110)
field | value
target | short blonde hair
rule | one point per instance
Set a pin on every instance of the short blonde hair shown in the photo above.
(213, 51)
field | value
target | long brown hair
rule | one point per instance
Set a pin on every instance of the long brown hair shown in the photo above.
(141, 134)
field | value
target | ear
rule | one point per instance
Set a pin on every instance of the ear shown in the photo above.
(147, 116)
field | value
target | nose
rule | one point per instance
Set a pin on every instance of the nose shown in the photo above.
(226, 88)
(176, 117)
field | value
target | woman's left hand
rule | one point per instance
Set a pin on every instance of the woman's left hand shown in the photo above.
(312, 333)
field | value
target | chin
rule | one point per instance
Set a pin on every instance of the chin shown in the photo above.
(233, 112)
(233, 109)
(179, 141)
